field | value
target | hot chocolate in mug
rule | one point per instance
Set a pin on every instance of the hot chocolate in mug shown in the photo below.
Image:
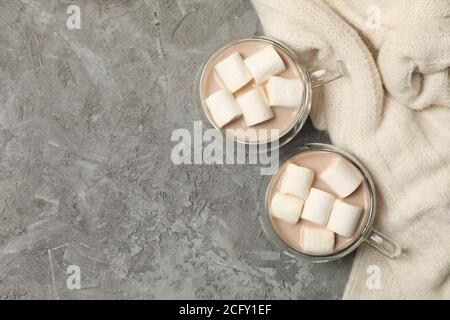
(225, 77)
(290, 237)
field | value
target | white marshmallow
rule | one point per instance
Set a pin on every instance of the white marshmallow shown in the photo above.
(264, 64)
(317, 240)
(233, 72)
(318, 206)
(285, 92)
(297, 181)
(223, 107)
(344, 218)
(255, 107)
(342, 177)
(286, 207)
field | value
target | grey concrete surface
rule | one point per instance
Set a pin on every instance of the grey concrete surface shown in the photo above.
(85, 172)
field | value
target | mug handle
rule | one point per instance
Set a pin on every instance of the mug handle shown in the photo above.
(320, 76)
(384, 244)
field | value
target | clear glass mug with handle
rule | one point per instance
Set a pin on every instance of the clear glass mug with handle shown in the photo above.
(367, 234)
(311, 78)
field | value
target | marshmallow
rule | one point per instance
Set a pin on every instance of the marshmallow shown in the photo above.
(318, 206)
(285, 92)
(254, 106)
(297, 181)
(317, 240)
(342, 177)
(264, 64)
(344, 218)
(286, 207)
(233, 72)
(223, 107)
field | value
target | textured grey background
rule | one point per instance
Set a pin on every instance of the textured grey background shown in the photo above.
(85, 172)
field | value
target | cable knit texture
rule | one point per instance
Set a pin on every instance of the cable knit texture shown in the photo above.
(391, 110)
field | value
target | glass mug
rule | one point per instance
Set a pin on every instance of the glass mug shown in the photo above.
(310, 78)
(367, 234)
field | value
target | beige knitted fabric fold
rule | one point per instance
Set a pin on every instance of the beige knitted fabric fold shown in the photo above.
(391, 110)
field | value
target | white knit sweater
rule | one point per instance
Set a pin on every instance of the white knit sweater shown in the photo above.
(391, 110)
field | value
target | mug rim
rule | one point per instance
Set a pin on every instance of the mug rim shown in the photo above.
(368, 227)
(303, 113)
